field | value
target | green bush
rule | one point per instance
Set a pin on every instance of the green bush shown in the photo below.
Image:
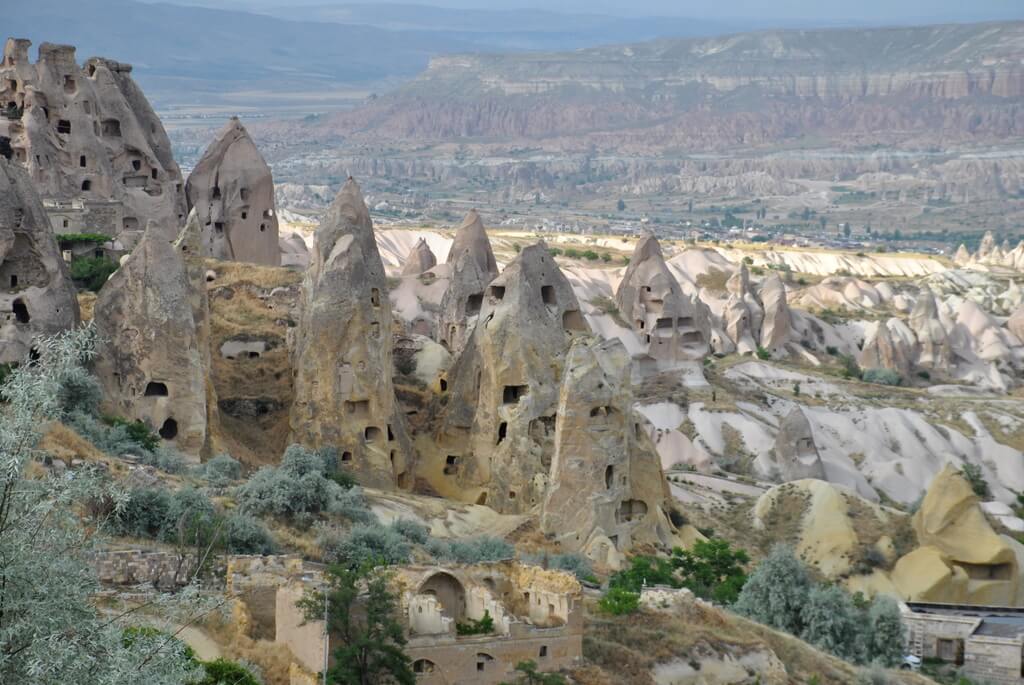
(69, 239)
(92, 272)
(976, 479)
(298, 486)
(881, 377)
(619, 601)
(412, 531)
(762, 353)
(244, 534)
(222, 470)
(144, 514)
(482, 626)
(574, 563)
(850, 367)
(471, 550)
(224, 672)
(365, 544)
(137, 432)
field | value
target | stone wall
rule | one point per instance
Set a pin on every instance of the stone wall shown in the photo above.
(995, 660)
(137, 566)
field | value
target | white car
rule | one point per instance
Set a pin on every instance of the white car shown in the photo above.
(911, 663)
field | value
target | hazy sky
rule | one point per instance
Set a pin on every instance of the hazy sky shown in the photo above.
(857, 11)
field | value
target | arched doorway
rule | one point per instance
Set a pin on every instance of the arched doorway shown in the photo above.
(449, 593)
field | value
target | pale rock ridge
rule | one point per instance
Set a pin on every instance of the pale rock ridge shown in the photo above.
(673, 325)
(342, 352)
(778, 323)
(606, 490)
(420, 259)
(471, 266)
(498, 422)
(796, 455)
(152, 366)
(231, 189)
(38, 297)
(89, 133)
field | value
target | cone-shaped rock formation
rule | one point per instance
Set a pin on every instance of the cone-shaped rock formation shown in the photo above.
(471, 267)
(420, 259)
(795, 452)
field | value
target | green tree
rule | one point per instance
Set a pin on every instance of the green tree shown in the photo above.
(371, 638)
(531, 676)
(621, 205)
(712, 569)
(883, 634)
(643, 571)
(776, 591)
(831, 622)
(224, 672)
(618, 601)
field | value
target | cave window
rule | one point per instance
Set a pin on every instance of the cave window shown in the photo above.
(152, 174)
(473, 304)
(371, 434)
(65, 223)
(218, 226)
(664, 323)
(543, 651)
(512, 495)
(87, 107)
(81, 161)
(346, 456)
(423, 666)
(268, 213)
(451, 464)
(497, 292)
(92, 70)
(375, 297)
(547, 293)
(512, 393)
(243, 194)
(98, 253)
(111, 128)
(86, 185)
(391, 435)
(245, 215)
(609, 476)
(63, 126)
(482, 499)
(69, 84)
(169, 430)
(444, 385)
(216, 192)
(137, 164)
(502, 431)
(14, 280)
(263, 228)
(156, 389)
(20, 311)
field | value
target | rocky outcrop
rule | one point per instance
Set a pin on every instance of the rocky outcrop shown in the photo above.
(232, 191)
(471, 267)
(500, 397)
(152, 365)
(933, 345)
(673, 325)
(796, 455)
(743, 313)
(88, 133)
(420, 259)
(606, 491)
(884, 351)
(344, 397)
(294, 251)
(778, 323)
(37, 297)
(962, 256)
(1015, 324)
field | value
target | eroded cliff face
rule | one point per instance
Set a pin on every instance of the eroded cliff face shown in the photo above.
(89, 133)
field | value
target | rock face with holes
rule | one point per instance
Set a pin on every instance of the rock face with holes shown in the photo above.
(152, 367)
(344, 397)
(421, 259)
(498, 420)
(471, 267)
(89, 133)
(232, 191)
(674, 325)
(606, 491)
(796, 455)
(36, 294)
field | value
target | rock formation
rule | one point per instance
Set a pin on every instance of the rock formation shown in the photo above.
(674, 325)
(933, 346)
(342, 355)
(89, 133)
(883, 351)
(232, 192)
(962, 256)
(606, 490)
(501, 394)
(986, 247)
(152, 366)
(420, 259)
(796, 455)
(743, 313)
(778, 324)
(1015, 324)
(294, 251)
(471, 267)
(38, 297)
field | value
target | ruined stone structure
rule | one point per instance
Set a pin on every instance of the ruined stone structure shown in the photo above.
(471, 267)
(672, 324)
(496, 435)
(796, 455)
(232, 191)
(36, 294)
(166, 570)
(606, 490)
(342, 362)
(152, 366)
(421, 258)
(89, 133)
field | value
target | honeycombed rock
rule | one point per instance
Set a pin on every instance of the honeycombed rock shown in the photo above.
(232, 191)
(37, 296)
(796, 455)
(674, 325)
(89, 133)
(496, 434)
(420, 259)
(606, 491)
(344, 397)
(151, 365)
(471, 267)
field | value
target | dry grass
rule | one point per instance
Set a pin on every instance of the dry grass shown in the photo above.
(65, 444)
(86, 304)
(272, 658)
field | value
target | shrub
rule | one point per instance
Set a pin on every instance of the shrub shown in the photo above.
(776, 592)
(144, 514)
(873, 675)
(482, 626)
(244, 534)
(762, 353)
(191, 519)
(224, 672)
(976, 479)
(412, 531)
(343, 478)
(850, 367)
(472, 550)
(222, 470)
(365, 544)
(351, 504)
(831, 621)
(619, 601)
(924, 375)
(299, 485)
(92, 272)
(69, 239)
(832, 350)
(881, 377)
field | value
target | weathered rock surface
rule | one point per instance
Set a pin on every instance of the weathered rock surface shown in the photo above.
(344, 397)
(743, 313)
(796, 455)
(89, 133)
(232, 191)
(38, 297)
(1015, 324)
(471, 267)
(883, 351)
(606, 490)
(294, 251)
(672, 324)
(495, 439)
(933, 345)
(152, 367)
(421, 259)
(778, 323)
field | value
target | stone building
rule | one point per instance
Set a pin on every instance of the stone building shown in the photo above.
(987, 642)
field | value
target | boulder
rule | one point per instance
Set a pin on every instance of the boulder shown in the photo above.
(778, 323)
(88, 133)
(673, 325)
(421, 258)
(151, 366)
(796, 455)
(342, 353)
(471, 266)
(232, 191)
(38, 297)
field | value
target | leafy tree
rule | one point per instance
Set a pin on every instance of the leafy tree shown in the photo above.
(883, 641)
(618, 601)
(224, 672)
(831, 622)
(531, 676)
(92, 272)
(371, 637)
(881, 377)
(482, 626)
(712, 569)
(298, 486)
(621, 205)
(776, 592)
(644, 571)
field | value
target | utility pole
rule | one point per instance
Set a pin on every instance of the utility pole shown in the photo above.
(327, 641)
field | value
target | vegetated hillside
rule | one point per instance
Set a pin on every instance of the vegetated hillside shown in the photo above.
(963, 80)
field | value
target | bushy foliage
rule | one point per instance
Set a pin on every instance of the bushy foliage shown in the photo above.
(763, 353)
(481, 626)
(850, 367)
(528, 669)
(221, 471)
(351, 504)
(471, 550)
(412, 531)
(619, 601)
(92, 272)
(643, 571)
(69, 239)
(712, 569)
(144, 514)
(881, 377)
(365, 544)
(883, 641)
(972, 473)
(224, 672)
(776, 592)
(872, 675)
(299, 485)
(831, 622)
(244, 534)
